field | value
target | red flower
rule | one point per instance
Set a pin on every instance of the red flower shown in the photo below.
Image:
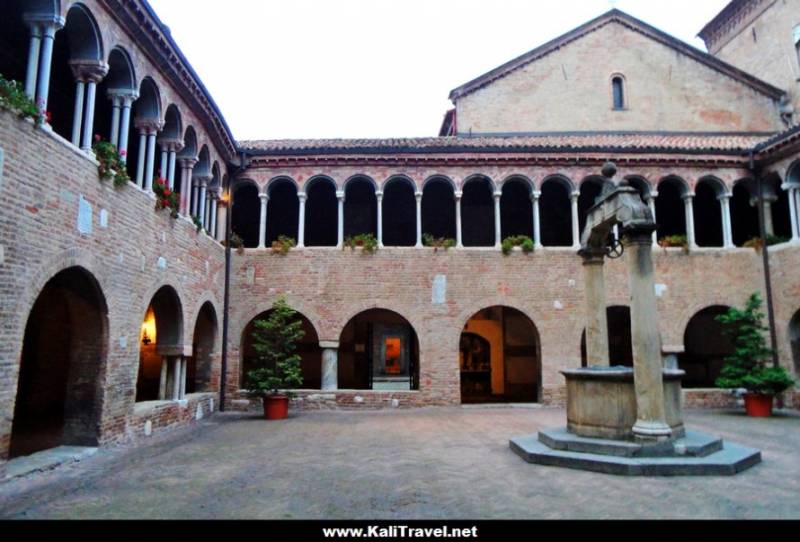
(160, 182)
(48, 117)
(97, 138)
(167, 192)
(123, 153)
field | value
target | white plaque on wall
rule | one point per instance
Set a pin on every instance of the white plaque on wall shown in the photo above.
(84, 216)
(439, 295)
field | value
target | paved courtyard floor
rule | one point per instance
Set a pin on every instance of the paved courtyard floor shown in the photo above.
(423, 464)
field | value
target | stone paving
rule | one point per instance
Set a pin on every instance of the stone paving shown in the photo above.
(425, 464)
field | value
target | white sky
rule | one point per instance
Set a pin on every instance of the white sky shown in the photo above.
(373, 68)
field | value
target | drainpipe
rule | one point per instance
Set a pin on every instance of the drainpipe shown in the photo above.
(227, 288)
(755, 170)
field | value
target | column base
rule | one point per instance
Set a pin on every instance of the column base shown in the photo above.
(648, 431)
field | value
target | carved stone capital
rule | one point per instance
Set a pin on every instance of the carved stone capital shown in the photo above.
(88, 70)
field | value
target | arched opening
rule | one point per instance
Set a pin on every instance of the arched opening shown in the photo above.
(59, 394)
(744, 213)
(642, 186)
(477, 213)
(307, 348)
(322, 213)
(200, 174)
(618, 92)
(160, 347)
(516, 209)
(555, 213)
(246, 214)
(360, 208)
(670, 208)
(781, 217)
(620, 344)
(794, 337)
(202, 375)
(15, 35)
(399, 213)
(439, 208)
(283, 210)
(189, 151)
(591, 188)
(499, 358)
(706, 347)
(378, 350)
(119, 80)
(708, 213)
(147, 108)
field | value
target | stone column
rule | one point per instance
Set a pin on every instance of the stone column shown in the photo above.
(222, 220)
(689, 211)
(418, 196)
(183, 365)
(187, 165)
(88, 124)
(33, 59)
(537, 227)
(791, 190)
(301, 220)
(459, 194)
(201, 202)
(127, 102)
(330, 366)
(576, 231)
(651, 203)
(768, 201)
(176, 378)
(379, 199)
(140, 164)
(174, 147)
(151, 159)
(727, 232)
(162, 384)
(646, 339)
(49, 29)
(498, 229)
(77, 113)
(195, 196)
(116, 110)
(596, 318)
(163, 169)
(262, 222)
(340, 222)
(214, 205)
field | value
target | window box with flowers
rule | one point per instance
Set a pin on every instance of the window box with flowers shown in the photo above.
(166, 198)
(14, 99)
(112, 164)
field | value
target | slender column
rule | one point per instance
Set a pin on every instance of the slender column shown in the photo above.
(651, 203)
(330, 369)
(596, 318)
(689, 210)
(116, 106)
(459, 243)
(183, 365)
(77, 113)
(163, 172)
(576, 233)
(498, 230)
(222, 220)
(207, 212)
(195, 195)
(379, 198)
(176, 378)
(127, 102)
(769, 226)
(793, 212)
(33, 60)
(174, 147)
(201, 202)
(646, 339)
(151, 160)
(162, 383)
(262, 223)
(340, 221)
(418, 196)
(301, 221)
(187, 164)
(142, 156)
(214, 205)
(725, 208)
(46, 62)
(537, 227)
(88, 124)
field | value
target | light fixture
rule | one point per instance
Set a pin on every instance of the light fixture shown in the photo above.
(146, 340)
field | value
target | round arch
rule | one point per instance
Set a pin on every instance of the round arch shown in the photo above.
(555, 211)
(440, 178)
(399, 212)
(439, 207)
(477, 211)
(202, 373)
(516, 209)
(83, 33)
(706, 346)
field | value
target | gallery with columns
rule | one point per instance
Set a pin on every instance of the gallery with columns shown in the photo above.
(122, 320)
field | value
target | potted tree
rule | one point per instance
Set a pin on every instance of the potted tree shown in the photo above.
(748, 367)
(276, 368)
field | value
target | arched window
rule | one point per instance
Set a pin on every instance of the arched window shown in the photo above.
(618, 91)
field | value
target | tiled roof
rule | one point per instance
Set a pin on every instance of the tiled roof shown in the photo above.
(553, 142)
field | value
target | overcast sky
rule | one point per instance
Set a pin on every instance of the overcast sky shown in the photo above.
(374, 68)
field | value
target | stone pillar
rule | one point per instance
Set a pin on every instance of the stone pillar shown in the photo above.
(162, 384)
(262, 221)
(176, 378)
(689, 211)
(418, 196)
(127, 102)
(379, 199)
(791, 190)
(498, 230)
(727, 232)
(596, 318)
(183, 365)
(88, 124)
(459, 194)
(330, 366)
(301, 220)
(116, 110)
(576, 232)
(46, 61)
(195, 196)
(140, 164)
(77, 113)
(33, 59)
(174, 146)
(340, 222)
(163, 172)
(768, 224)
(187, 165)
(214, 205)
(646, 339)
(537, 227)
(151, 159)
(201, 202)
(651, 203)
(222, 220)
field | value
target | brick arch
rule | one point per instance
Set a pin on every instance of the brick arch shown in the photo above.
(673, 335)
(333, 331)
(494, 301)
(266, 304)
(148, 297)
(207, 297)
(517, 177)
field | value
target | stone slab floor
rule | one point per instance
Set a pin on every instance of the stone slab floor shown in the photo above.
(425, 464)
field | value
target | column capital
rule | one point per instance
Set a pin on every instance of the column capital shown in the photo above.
(688, 197)
(574, 196)
(171, 144)
(264, 198)
(148, 126)
(767, 199)
(652, 195)
(340, 195)
(458, 194)
(418, 195)
(44, 22)
(725, 197)
(379, 194)
(535, 195)
(188, 163)
(88, 71)
(202, 180)
(302, 196)
(790, 186)
(498, 194)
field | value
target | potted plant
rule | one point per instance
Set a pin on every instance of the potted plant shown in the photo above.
(237, 243)
(283, 245)
(523, 241)
(365, 241)
(437, 243)
(674, 241)
(111, 165)
(276, 368)
(748, 367)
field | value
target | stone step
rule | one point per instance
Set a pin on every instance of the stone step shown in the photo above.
(692, 444)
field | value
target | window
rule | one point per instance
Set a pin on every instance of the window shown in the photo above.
(618, 91)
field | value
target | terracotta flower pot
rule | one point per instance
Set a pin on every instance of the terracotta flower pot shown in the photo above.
(758, 406)
(276, 407)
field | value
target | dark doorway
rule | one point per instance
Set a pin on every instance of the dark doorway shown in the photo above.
(670, 208)
(201, 375)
